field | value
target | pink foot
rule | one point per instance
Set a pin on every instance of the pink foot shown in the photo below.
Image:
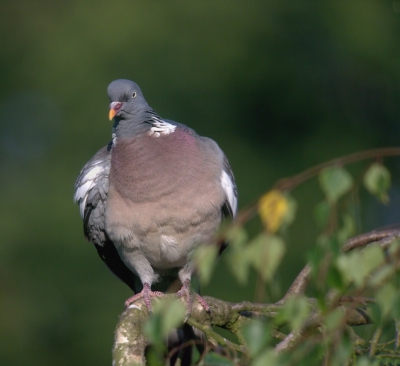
(185, 292)
(203, 303)
(146, 294)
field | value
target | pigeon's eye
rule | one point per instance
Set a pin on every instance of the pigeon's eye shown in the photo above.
(134, 95)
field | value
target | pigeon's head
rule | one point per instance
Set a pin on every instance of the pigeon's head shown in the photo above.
(126, 99)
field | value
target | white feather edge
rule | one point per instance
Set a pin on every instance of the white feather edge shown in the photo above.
(228, 187)
(85, 185)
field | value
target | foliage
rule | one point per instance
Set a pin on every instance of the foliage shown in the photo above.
(354, 280)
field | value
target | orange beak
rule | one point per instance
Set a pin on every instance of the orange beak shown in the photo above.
(111, 114)
(114, 109)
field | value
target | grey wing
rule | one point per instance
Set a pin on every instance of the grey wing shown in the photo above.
(91, 190)
(227, 180)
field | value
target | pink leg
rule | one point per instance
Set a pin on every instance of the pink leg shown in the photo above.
(185, 292)
(146, 294)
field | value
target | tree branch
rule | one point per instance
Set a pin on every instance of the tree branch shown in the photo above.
(130, 341)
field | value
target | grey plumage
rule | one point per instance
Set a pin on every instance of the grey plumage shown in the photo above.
(153, 194)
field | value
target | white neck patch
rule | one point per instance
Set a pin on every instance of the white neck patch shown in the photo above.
(161, 128)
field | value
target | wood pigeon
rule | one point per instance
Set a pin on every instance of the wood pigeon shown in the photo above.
(154, 193)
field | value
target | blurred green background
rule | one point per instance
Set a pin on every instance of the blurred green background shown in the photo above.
(281, 86)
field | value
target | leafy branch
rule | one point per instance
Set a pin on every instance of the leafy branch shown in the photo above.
(131, 340)
(353, 279)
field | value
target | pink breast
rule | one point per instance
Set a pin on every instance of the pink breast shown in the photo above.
(153, 165)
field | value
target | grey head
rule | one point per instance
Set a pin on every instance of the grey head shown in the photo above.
(128, 107)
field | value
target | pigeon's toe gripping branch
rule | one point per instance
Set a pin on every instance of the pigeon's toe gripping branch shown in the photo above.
(186, 292)
(146, 294)
(203, 303)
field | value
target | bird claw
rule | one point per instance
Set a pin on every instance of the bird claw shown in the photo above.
(146, 294)
(203, 303)
(186, 292)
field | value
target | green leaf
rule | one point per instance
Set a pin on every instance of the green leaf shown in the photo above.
(173, 314)
(396, 311)
(154, 357)
(234, 256)
(365, 361)
(167, 315)
(268, 357)
(381, 275)
(347, 228)
(295, 312)
(335, 182)
(238, 264)
(257, 334)
(357, 265)
(152, 328)
(386, 297)
(394, 247)
(237, 236)
(375, 312)
(334, 319)
(343, 350)
(214, 359)
(377, 181)
(330, 243)
(335, 279)
(265, 252)
(291, 211)
(205, 258)
(334, 245)
(315, 257)
(322, 212)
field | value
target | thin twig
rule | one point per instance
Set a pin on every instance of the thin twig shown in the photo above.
(390, 355)
(382, 346)
(296, 336)
(357, 299)
(189, 343)
(397, 339)
(383, 237)
(263, 309)
(292, 182)
(221, 340)
(373, 236)
(299, 285)
(289, 183)
(374, 341)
